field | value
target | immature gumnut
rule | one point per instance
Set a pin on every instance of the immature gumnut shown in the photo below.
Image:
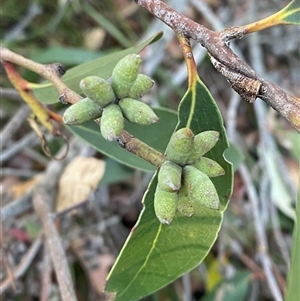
(112, 122)
(138, 112)
(200, 188)
(124, 74)
(81, 111)
(98, 90)
(180, 146)
(210, 167)
(184, 203)
(203, 142)
(169, 176)
(165, 204)
(142, 85)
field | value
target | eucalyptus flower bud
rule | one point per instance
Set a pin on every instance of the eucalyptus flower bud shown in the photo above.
(210, 167)
(200, 188)
(165, 204)
(141, 86)
(138, 112)
(184, 204)
(203, 143)
(98, 90)
(124, 74)
(169, 176)
(180, 146)
(81, 111)
(112, 122)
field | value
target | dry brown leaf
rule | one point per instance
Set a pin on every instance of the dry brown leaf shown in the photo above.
(78, 180)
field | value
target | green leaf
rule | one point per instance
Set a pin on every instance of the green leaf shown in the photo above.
(293, 288)
(290, 14)
(280, 194)
(115, 172)
(65, 55)
(234, 155)
(235, 288)
(156, 135)
(155, 254)
(102, 67)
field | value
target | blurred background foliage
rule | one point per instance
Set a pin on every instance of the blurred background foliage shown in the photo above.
(72, 32)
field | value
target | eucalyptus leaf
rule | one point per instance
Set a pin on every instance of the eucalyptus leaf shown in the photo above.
(101, 66)
(290, 14)
(156, 135)
(155, 254)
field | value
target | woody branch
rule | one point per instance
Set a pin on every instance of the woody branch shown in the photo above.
(242, 78)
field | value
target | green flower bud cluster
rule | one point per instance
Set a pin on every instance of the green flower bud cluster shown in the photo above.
(184, 179)
(114, 100)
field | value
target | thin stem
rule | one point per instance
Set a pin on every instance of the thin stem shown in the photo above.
(43, 199)
(51, 72)
(141, 149)
(24, 264)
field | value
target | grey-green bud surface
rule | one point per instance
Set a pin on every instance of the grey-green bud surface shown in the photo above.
(124, 74)
(180, 146)
(137, 112)
(169, 176)
(81, 111)
(112, 122)
(142, 85)
(98, 90)
(200, 188)
(165, 204)
(210, 167)
(185, 204)
(203, 143)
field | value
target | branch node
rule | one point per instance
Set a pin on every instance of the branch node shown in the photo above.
(235, 32)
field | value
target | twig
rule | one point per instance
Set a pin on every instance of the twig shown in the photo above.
(10, 93)
(247, 261)
(28, 139)
(18, 206)
(141, 149)
(187, 290)
(46, 276)
(36, 156)
(24, 264)
(13, 125)
(51, 72)
(4, 261)
(18, 172)
(242, 78)
(260, 234)
(16, 31)
(42, 201)
(153, 56)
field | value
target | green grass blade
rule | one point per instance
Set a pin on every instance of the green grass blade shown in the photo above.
(293, 288)
(106, 24)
